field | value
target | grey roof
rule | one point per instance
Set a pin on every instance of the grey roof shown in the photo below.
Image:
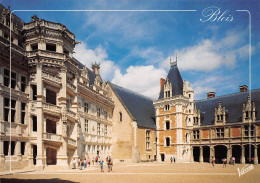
(140, 107)
(233, 104)
(175, 79)
(91, 74)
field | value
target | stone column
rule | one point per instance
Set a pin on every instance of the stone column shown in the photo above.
(2, 156)
(40, 117)
(211, 151)
(256, 156)
(30, 153)
(18, 150)
(201, 154)
(1, 106)
(62, 157)
(229, 152)
(242, 158)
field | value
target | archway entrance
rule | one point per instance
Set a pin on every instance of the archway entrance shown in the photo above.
(247, 153)
(196, 154)
(206, 153)
(236, 152)
(220, 153)
(51, 155)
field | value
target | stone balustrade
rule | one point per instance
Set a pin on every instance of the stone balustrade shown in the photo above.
(51, 108)
(52, 136)
(71, 86)
(72, 142)
(46, 53)
(51, 77)
(71, 113)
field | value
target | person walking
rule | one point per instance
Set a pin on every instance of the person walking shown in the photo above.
(108, 165)
(233, 160)
(85, 163)
(171, 160)
(101, 165)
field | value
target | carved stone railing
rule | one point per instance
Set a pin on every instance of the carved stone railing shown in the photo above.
(71, 86)
(51, 77)
(51, 108)
(51, 136)
(72, 142)
(71, 114)
(46, 53)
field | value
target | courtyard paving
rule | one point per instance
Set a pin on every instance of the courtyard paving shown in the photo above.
(139, 172)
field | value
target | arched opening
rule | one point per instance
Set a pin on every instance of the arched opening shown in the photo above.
(236, 153)
(196, 154)
(206, 153)
(220, 153)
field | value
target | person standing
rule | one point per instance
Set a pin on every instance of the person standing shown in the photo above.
(85, 163)
(74, 163)
(171, 159)
(233, 160)
(213, 161)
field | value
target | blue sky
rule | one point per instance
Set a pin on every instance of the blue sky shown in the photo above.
(134, 48)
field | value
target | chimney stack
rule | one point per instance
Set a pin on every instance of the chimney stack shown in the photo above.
(162, 81)
(211, 95)
(243, 88)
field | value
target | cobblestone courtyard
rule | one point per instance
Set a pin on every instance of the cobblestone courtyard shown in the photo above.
(142, 172)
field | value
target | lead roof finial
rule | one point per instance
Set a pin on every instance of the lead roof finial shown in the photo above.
(174, 63)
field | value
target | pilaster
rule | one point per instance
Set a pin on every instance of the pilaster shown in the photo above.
(2, 156)
(256, 156)
(242, 158)
(201, 154)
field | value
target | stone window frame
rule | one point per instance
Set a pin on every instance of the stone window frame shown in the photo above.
(165, 141)
(86, 125)
(105, 130)
(148, 140)
(86, 107)
(98, 128)
(196, 134)
(220, 132)
(23, 83)
(120, 116)
(165, 125)
(11, 83)
(247, 131)
(98, 112)
(11, 110)
(167, 107)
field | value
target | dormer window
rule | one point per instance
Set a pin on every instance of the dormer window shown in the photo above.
(249, 111)
(196, 116)
(220, 114)
(167, 88)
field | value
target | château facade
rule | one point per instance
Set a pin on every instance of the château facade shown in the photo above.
(59, 109)
(196, 130)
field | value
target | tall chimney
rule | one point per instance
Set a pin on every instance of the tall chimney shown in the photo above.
(162, 81)
(243, 88)
(211, 95)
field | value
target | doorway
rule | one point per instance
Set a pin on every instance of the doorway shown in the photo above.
(162, 157)
(51, 155)
(34, 154)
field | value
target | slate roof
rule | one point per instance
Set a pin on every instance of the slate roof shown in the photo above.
(233, 104)
(175, 79)
(91, 74)
(140, 107)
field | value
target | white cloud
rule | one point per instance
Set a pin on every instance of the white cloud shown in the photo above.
(210, 54)
(88, 56)
(142, 79)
